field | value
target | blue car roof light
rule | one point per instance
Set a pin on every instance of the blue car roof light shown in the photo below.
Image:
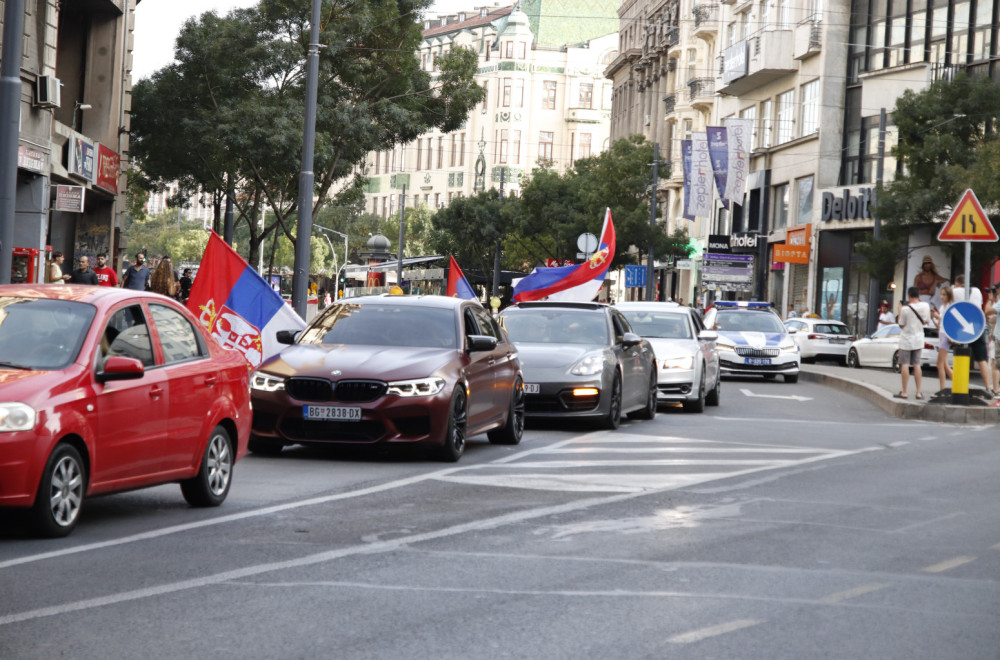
(742, 303)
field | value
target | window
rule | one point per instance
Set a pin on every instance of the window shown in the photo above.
(127, 335)
(509, 50)
(515, 147)
(784, 14)
(765, 124)
(378, 161)
(751, 114)
(522, 50)
(506, 92)
(453, 151)
(486, 97)
(785, 121)
(549, 95)
(178, 339)
(804, 200)
(437, 200)
(810, 108)
(545, 147)
(461, 149)
(585, 141)
(430, 153)
(504, 136)
(420, 146)
(440, 152)
(586, 95)
(692, 62)
(519, 93)
(779, 207)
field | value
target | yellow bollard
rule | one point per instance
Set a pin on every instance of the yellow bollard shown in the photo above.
(960, 375)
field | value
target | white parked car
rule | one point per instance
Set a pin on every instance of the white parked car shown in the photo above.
(882, 349)
(686, 355)
(821, 338)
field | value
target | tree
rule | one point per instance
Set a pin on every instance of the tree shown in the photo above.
(947, 143)
(469, 229)
(232, 104)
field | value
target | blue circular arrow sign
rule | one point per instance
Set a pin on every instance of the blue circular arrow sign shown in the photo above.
(963, 322)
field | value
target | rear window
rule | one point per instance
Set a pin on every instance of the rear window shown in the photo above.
(384, 325)
(658, 325)
(831, 329)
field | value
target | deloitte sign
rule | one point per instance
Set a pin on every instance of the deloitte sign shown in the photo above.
(848, 206)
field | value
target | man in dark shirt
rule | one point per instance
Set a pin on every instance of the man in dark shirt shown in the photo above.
(186, 283)
(84, 274)
(137, 275)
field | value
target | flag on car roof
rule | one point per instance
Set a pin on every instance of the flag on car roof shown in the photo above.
(237, 306)
(458, 285)
(579, 282)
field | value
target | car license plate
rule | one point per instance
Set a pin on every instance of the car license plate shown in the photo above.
(337, 413)
(531, 388)
(837, 340)
(758, 362)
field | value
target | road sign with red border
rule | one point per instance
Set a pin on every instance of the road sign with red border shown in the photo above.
(968, 222)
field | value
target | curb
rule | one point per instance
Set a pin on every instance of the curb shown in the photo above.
(947, 413)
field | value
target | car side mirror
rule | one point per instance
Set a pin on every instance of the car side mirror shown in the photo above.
(479, 343)
(286, 336)
(708, 335)
(630, 339)
(119, 367)
(792, 331)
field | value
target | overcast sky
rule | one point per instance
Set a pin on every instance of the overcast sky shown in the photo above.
(157, 23)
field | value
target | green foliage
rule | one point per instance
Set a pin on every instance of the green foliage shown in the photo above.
(469, 229)
(159, 235)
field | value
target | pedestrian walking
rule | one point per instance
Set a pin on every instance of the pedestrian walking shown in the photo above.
(137, 275)
(106, 275)
(84, 274)
(162, 280)
(980, 354)
(913, 316)
(943, 370)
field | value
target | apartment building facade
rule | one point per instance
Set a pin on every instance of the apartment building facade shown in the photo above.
(547, 103)
(74, 123)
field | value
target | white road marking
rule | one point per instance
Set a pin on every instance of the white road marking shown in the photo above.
(791, 397)
(713, 631)
(853, 593)
(948, 564)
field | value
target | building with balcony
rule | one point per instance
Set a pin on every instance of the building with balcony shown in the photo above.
(74, 123)
(547, 102)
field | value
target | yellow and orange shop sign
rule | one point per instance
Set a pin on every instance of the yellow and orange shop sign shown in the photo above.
(795, 249)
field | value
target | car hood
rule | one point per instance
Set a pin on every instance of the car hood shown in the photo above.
(37, 388)
(549, 356)
(754, 339)
(359, 361)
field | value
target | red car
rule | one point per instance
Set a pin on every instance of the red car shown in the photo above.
(104, 390)
(430, 370)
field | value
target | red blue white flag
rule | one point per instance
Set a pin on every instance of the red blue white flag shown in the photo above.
(458, 285)
(237, 306)
(579, 282)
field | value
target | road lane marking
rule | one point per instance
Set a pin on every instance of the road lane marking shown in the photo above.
(713, 631)
(792, 397)
(853, 593)
(948, 564)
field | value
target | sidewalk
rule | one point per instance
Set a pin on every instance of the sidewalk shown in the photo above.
(879, 386)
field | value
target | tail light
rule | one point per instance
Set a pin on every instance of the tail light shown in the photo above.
(814, 336)
(928, 347)
(852, 338)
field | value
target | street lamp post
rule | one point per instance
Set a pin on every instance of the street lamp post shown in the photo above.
(344, 236)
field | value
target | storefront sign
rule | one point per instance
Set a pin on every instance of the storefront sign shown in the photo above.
(81, 158)
(728, 272)
(683, 264)
(719, 243)
(848, 206)
(70, 198)
(108, 163)
(795, 249)
(744, 241)
(734, 62)
(32, 159)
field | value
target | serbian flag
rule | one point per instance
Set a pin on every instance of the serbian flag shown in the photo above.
(237, 306)
(458, 286)
(580, 282)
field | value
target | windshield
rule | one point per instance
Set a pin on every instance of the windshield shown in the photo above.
(831, 328)
(384, 325)
(38, 333)
(556, 326)
(658, 324)
(743, 321)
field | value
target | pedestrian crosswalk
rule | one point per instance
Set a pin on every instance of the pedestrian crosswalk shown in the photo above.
(616, 462)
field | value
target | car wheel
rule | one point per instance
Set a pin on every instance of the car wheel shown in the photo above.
(454, 437)
(613, 418)
(698, 405)
(60, 494)
(265, 447)
(852, 359)
(712, 399)
(211, 486)
(649, 410)
(791, 378)
(511, 432)
(895, 362)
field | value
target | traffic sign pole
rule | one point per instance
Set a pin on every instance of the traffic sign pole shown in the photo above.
(960, 375)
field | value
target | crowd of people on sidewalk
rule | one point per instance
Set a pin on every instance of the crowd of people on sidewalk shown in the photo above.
(163, 279)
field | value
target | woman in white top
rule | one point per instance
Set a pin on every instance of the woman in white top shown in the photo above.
(885, 316)
(943, 370)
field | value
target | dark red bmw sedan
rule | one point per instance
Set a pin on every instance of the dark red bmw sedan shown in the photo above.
(104, 390)
(391, 369)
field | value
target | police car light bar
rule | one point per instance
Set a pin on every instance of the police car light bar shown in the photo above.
(740, 303)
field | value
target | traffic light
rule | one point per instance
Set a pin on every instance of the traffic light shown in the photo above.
(343, 279)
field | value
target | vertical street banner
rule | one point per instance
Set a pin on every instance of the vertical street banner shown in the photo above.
(686, 160)
(701, 176)
(718, 149)
(740, 134)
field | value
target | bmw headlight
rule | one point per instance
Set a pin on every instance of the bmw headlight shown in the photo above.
(266, 382)
(16, 417)
(683, 362)
(589, 366)
(416, 387)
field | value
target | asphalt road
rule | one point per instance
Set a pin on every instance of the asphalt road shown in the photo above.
(792, 521)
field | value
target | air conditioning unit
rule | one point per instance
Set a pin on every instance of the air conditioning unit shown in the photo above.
(48, 92)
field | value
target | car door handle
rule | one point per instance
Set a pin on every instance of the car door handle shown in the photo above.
(211, 380)
(492, 362)
(156, 392)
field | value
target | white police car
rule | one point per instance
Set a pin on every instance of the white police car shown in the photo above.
(753, 340)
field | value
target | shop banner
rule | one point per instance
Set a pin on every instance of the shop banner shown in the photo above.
(70, 198)
(740, 136)
(701, 176)
(791, 254)
(32, 160)
(686, 160)
(108, 163)
(81, 158)
(718, 149)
